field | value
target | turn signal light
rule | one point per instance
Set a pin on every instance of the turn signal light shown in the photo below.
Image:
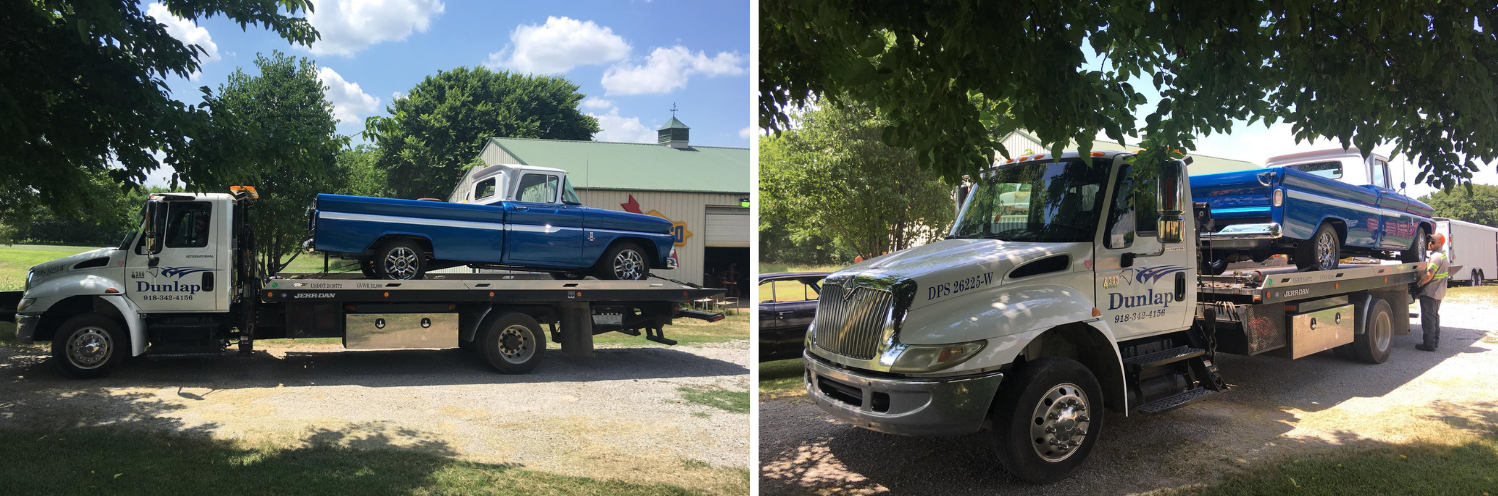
(112, 291)
(1097, 154)
(1279, 197)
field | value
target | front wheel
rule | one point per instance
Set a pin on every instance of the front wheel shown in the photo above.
(401, 259)
(1046, 420)
(623, 262)
(514, 344)
(89, 345)
(1322, 252)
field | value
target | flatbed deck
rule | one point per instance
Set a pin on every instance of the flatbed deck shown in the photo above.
(1283, 284)
(462, 288)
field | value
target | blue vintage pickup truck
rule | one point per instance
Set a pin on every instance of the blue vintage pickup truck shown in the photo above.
(503, 216)
(1315, 206)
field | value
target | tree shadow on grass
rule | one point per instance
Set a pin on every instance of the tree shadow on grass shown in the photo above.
(121, 461)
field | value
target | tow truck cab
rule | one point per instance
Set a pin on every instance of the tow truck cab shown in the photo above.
(1063, 288)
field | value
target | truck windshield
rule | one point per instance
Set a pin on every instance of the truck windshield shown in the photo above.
(1035, 201)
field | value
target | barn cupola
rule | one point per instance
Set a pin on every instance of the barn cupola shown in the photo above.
(674, 133)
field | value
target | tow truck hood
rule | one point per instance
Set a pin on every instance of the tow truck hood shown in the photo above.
(957, 267)
(48, 270)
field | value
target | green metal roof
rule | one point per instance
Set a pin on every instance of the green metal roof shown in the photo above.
(673, 124)
(637, 166)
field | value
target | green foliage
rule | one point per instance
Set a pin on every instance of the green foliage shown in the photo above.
(363, 176)
(832, 178)
(949, 76)
(1477, 203)
(276, 131)
(82, 94)
(107, 227)
(441, 124)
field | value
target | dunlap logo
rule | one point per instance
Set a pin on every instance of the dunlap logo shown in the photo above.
(171, 286)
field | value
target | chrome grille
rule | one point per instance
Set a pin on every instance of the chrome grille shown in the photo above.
(850, 321)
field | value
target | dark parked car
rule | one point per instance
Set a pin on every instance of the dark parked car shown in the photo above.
(788, 301)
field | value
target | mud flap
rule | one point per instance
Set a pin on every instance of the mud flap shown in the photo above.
(577, 328)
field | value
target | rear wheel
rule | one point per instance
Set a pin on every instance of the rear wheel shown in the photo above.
(1047, 419)
(1321, 252)
(1416, 253)
(401, 259)
(89, 345)
(514, 343)
(623, 262)
(1373, 344)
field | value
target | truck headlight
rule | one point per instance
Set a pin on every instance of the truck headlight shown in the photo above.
(25, 302)
(931, 358)
(30, 274)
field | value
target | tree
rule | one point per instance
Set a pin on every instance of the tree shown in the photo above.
(82, 93)
(108, 229)
(950, 76)
(833, 178)
(441, 124)
(1477, 204)
(359, 165)
(276, 131)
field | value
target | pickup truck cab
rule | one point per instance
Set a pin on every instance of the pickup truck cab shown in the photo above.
(1066, 288)
(1318, 207)
(511, 217)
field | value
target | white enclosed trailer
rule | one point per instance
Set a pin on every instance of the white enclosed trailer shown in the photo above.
(1473, 247)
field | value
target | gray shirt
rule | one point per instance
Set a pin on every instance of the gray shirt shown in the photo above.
(1436, 289)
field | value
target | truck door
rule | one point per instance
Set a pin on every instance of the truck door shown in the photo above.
(1137, 275)
(187, 273)
(540, 228)
(1397, 228)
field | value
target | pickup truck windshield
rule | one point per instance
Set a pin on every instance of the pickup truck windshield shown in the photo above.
(1035, 201)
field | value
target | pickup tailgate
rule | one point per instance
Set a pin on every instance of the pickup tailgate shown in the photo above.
(1236, 197)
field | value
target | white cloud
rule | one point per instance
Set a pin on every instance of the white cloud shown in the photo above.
(746, 132)
(349, 101)
(558, 46)
(622, 129)
(185, 31)
(596, 103)
(348, 26)
(397, 96)
(668, 69)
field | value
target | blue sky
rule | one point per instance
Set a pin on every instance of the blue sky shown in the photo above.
(633, 59)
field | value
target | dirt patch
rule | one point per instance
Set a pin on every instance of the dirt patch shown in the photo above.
(618, 415)
(1278, 411)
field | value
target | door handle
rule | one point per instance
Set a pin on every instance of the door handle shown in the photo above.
(208, 281)
(521, 209)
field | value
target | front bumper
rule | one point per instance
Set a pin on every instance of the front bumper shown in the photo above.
(26, 328)
(916, 407)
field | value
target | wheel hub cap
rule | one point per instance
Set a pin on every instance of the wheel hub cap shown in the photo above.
(629, 265)
(89, 347)
(401, 263)
(1059, 423)
(515, 343)
(1325, 246)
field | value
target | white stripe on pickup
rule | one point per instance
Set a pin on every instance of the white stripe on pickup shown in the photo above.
(411, 221)
(1299, 195)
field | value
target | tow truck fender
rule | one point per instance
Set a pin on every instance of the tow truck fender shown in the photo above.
(133, 324)
(1015, 320)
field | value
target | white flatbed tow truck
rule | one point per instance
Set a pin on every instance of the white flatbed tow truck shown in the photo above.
(1066, 289)
(187, 284)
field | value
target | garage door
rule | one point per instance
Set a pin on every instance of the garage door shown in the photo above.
(728, 227)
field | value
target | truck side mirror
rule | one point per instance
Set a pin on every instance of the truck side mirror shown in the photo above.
(1169, 199)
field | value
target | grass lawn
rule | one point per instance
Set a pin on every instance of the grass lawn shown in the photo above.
(781, 379)
(771, 268)
(716, 397)
(123, 461)
(684, 331)
(1416, 468)
(15, 260)
(307, 263)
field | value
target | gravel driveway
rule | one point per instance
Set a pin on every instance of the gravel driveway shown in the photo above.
(1278, 408)
(618, 415)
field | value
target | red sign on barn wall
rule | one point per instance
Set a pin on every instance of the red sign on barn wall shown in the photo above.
(678, 229)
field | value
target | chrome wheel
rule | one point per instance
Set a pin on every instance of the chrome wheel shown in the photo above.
(89, 347)
(1059, 424)
(516, 344)
(1326, 250)
(1421, 241)
(629, 265)
(401, 263)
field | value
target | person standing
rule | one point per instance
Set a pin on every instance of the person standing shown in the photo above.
(1437, 268)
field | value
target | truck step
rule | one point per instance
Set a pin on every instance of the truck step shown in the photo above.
(1164, 357)
(1169, 403)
